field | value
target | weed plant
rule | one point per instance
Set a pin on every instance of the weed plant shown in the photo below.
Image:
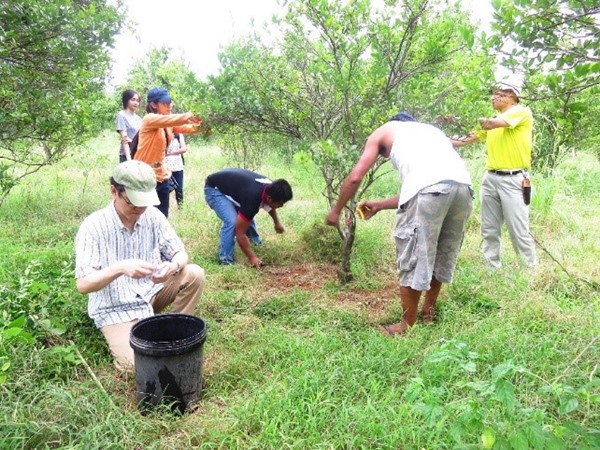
(293, 359)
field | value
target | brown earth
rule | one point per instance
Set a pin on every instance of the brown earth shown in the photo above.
(316, 277)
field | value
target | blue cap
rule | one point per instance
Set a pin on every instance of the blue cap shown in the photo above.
(159, 95)
(403, 116)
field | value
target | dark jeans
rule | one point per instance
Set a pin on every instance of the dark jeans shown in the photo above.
(177, 177)
(162, 189)
(227, 212)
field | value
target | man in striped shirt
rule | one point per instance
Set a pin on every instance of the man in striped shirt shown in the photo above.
(131, 262)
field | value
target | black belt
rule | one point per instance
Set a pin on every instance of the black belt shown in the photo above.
(506, 172)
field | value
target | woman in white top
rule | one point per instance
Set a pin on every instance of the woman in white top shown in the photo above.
(128, 122)
(175, 150)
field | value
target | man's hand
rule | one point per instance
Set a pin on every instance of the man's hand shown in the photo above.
(333, 218)
(99, 279)
(485, 123)
(367, 209)
(136, 268)
(163, 272)
(256, 262)
(279, 228)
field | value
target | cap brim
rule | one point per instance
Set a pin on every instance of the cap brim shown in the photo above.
(143, 199)
(508, 87)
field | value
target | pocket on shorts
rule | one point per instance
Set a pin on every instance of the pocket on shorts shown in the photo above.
(437, 189)
(406, 246)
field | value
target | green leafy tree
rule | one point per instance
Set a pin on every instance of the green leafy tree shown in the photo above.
(54, 60)
(340, 70)
(159, 69)
(561, 36)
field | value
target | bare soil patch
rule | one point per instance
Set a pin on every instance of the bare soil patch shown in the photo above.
(314, 277)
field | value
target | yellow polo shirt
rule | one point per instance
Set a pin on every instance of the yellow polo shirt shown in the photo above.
(510, 147)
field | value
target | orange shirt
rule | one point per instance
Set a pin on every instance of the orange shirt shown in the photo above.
(153, 140)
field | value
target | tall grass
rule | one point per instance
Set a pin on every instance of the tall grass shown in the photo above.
(292, 359)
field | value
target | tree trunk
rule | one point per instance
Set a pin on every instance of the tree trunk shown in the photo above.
(348, 232)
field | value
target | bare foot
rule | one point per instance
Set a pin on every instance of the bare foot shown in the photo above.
(428, 314)
(396, 329)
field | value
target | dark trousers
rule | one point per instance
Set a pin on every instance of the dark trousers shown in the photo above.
(177, 178)
(163, 191)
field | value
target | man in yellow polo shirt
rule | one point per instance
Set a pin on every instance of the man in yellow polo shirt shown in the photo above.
(508, 139)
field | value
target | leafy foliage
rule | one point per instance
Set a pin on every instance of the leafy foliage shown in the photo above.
(53, 63)
(549, 35)
(28, 307)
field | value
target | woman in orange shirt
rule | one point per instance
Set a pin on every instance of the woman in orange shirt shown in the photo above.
(156, 132)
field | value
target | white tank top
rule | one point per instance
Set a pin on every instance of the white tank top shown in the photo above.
(423, 156)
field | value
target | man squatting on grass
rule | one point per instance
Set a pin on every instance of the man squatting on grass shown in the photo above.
(131, 262)
(435, 201)
(237, 195)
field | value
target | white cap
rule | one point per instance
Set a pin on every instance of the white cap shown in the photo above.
(510, 82)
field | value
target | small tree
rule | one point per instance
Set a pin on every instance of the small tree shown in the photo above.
(54, 60)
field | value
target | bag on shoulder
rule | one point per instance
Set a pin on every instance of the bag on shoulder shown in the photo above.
(133, 145)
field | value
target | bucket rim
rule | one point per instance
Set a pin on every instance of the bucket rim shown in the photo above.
(172, 347)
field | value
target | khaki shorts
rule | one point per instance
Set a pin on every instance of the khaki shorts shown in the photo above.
(429, 233)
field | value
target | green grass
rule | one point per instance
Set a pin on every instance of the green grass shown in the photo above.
(294, 360)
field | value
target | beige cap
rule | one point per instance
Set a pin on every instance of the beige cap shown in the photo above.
(139, 181)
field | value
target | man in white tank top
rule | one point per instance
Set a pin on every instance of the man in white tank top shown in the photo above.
(433, 205)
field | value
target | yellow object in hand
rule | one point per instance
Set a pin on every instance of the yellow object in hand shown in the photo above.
(360, 210)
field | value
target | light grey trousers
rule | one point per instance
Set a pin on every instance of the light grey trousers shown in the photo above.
(502, 202)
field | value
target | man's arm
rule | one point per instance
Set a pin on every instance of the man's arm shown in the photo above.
(278, 227)
(496, 122)
(372, 207)
(464, 140)
(241, 228)
(99, 279)
(353, 180)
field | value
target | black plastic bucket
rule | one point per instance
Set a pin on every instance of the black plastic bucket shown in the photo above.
(167, 352)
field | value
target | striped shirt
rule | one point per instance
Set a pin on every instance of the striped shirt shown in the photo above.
(103, 240)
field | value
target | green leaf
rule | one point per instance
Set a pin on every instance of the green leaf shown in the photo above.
(19, 322)
(506, 367)
(518, 440)
(568, 404)
(535, 435)
(468, 35)
(582, 70)
(10, 333)
(505, 392)
(488, 438)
